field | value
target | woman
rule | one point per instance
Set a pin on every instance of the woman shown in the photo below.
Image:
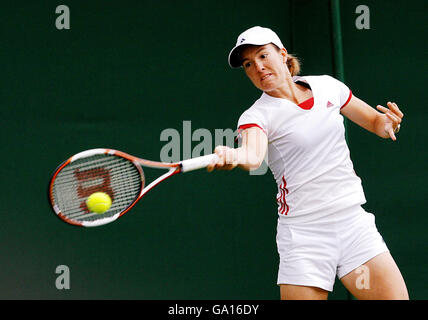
(322, 230)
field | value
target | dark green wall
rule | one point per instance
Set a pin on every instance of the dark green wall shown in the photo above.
(127, 70)
(388, 63)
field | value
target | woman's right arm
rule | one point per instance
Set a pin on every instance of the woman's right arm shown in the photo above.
(249, 156)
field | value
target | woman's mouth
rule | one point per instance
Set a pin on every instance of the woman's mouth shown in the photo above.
(266, 76)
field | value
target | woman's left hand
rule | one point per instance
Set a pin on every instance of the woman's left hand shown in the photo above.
(393, 118)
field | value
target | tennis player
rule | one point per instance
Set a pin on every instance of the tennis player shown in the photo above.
(322, 230)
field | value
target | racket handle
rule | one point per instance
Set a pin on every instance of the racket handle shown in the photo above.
(198, 162)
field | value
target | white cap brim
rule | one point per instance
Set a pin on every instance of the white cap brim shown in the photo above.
(235, 53)
(256, 36)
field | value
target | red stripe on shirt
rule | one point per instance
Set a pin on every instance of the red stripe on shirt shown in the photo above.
(283, 206)
(246, 126)
(347, 101)
(249, 125)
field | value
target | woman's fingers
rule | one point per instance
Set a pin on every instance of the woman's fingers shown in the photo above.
(382, 109)
(219, 152)
(395, 120)
(393, 106)
(226, 159)
(391, 134)
(393, 110)
(394, 116)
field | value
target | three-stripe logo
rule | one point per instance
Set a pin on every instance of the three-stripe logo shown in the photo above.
(282, 203)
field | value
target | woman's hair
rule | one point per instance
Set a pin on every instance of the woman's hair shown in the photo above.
(293, 64)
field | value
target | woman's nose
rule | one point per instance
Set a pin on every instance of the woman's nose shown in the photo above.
(259, 66)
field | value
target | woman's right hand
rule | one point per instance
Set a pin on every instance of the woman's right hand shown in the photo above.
(248, 157)
(227, 159)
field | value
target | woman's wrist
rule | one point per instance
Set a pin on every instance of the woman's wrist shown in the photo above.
(379, 128)
(247, 159)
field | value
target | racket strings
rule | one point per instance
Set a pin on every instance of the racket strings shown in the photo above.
(122, 199)
(96, 164)
(120, 182)
(116, 176)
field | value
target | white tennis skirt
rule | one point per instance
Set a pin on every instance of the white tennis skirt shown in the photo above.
(314, 253)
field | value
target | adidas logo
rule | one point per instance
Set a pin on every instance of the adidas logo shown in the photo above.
(329, 104)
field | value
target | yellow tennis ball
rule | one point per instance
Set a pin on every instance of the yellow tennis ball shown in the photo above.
(99, 202)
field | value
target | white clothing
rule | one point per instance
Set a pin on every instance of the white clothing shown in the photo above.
(307, 151)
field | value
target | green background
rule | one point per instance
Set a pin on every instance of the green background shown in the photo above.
(125, 71)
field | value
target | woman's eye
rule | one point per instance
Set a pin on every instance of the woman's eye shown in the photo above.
(247, 64)
(263, 56)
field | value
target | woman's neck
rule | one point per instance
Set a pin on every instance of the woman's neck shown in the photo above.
(292, 91)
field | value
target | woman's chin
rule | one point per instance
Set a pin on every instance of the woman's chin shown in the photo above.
(267, 88)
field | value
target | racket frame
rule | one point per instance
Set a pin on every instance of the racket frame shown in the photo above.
(173, 169)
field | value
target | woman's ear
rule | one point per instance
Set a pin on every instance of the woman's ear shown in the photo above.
(284, 55)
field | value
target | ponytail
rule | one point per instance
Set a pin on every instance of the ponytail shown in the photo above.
(293, 64)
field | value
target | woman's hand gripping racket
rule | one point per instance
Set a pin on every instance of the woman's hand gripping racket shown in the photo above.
(113, 172)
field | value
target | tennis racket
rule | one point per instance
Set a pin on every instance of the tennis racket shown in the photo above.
(116, 173)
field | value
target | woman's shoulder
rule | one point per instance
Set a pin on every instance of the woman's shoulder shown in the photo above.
(260, 102)
(319, 77)
(258, 108)
(323, 81)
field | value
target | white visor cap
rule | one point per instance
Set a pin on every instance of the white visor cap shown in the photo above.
(258, 36)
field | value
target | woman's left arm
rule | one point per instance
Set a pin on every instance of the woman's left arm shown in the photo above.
(384, 123)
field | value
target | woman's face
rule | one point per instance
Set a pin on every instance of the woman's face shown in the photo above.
(265, 66)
